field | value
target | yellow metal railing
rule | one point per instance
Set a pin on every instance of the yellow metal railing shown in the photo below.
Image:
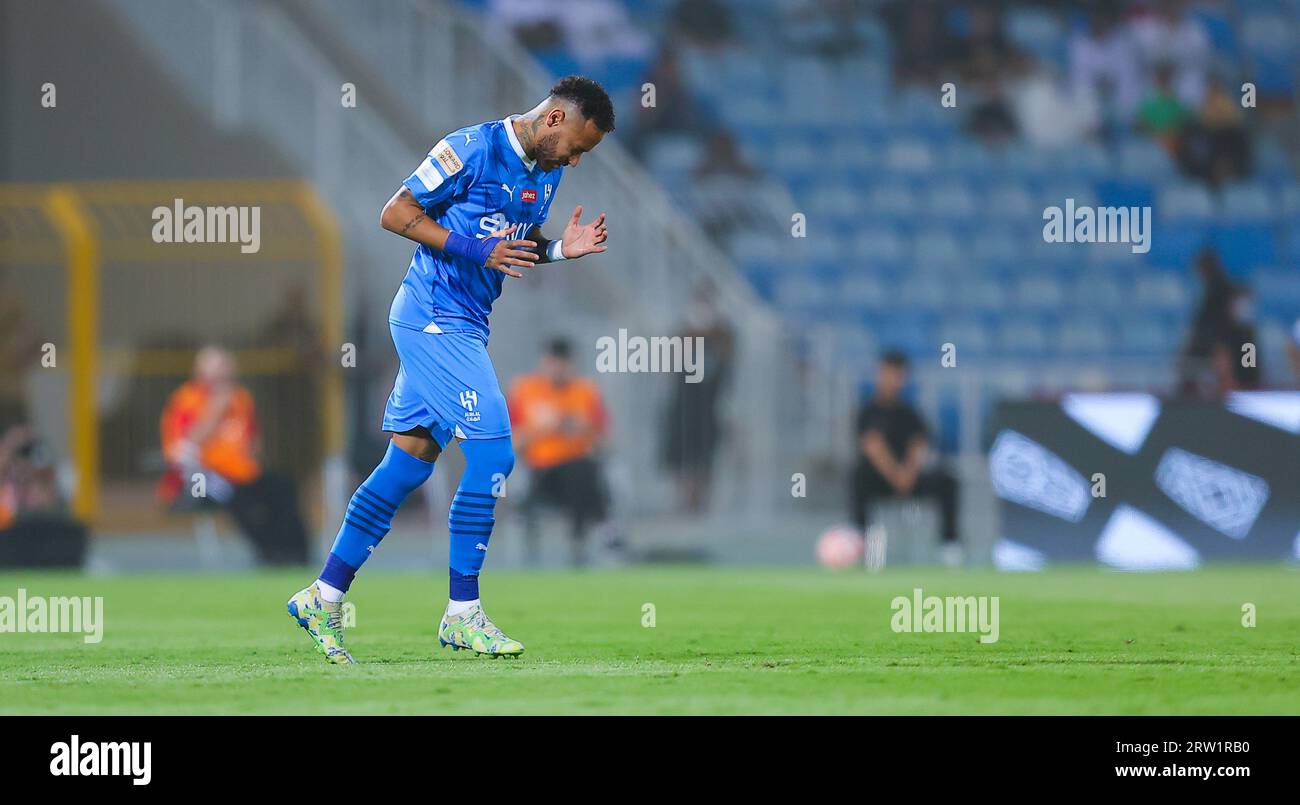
(85, 226)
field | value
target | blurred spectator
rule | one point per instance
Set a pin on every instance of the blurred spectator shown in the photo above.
(1167, 36)
(1046, 114)
(723, 194)
(209, 427)
(1216, 325)
(983, 51)
(675, 110)
(20, 349)
(1236, 368)
(1216, 148)
(991, 119)
(922, 45)
(559, 423)
(1162, 114)
(825, 28)
(36, 529)
(722, 157)
(693, 427)
(1104, 64)
(537, 24)
(704, 23)
(893, 450)
(590, 30)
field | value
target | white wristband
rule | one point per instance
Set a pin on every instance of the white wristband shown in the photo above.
(555, 251)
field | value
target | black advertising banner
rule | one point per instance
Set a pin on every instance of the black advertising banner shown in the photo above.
(1139, 483)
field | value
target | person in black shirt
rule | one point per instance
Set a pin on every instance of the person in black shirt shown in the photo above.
(893, 446)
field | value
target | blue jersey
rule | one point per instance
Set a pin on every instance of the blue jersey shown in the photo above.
(474, 182)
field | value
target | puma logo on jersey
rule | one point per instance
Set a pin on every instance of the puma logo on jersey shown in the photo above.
(510, 191)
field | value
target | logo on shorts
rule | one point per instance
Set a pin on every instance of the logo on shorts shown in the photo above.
(469, 401)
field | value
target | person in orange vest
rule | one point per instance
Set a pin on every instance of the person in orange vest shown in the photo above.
(559, 423)
(211, 441)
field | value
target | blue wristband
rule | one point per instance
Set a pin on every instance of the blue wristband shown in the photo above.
(476, 250)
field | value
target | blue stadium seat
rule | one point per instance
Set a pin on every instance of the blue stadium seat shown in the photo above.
(1097, 290)
(865, 289)
(672, 153)
(1039, 290)
(1083, 335)
(893, 200)
(952, 199)
(1012, 201)
(937, 247)
(881, 244)
(1249, 202)
(983, 294)
(1184, 201)
(1140, 158)
(1277, 290)
(1244, 246)
(923, 291)
(1175, 243)
(1268, 39)
(909, 156)
(1145, 335)
(971, 335)
(1163, 290)
(1023, 335)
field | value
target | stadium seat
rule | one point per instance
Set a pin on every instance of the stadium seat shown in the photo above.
(1162, 290)
(893, 200)
(1083, 335)
(951, 199)
(1249, 202)
(1184, 200)
(1142, 158)
(937, 247)
(1022, 335)
(1039, 291)
(1244, 246)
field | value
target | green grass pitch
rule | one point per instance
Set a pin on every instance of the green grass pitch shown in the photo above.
(730, 641)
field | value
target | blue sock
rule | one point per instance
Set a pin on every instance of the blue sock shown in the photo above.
(370, 513)
(488, 463)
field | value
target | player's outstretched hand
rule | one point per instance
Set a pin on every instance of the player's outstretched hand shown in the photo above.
(511, 252)
(580, 239)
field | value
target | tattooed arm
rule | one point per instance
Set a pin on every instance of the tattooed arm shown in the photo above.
(404, 216)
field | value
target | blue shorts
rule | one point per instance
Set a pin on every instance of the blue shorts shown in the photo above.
(445, 383)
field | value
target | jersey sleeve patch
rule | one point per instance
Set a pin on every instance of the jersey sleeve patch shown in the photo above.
(446, 158)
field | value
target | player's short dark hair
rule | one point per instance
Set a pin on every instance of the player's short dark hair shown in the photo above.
(895, 358)
(590, 98)
(560, 347)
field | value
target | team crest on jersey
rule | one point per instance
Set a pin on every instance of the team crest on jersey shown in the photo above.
(528, 195)
(547, 193)
(446, 157)
(469, 401)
